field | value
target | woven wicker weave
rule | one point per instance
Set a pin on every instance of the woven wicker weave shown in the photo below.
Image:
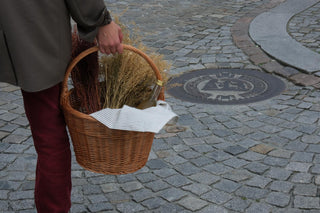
(98, 148)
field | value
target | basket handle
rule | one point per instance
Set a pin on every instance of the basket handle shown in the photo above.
(95, 49)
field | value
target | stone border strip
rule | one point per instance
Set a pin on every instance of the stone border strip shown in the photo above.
(269, 31)
(240, 35)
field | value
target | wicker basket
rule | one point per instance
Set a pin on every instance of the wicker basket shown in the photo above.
(98, 148)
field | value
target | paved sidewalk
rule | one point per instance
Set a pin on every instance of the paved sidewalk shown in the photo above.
(261, 157)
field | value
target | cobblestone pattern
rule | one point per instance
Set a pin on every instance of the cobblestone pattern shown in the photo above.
(191, 34)
(262, 157)
(240, 35)
(304, 27)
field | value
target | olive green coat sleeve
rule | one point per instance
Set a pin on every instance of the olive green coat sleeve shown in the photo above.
(87, 18)
(35, 38)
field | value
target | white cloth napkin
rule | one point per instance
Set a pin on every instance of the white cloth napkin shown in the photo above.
(129, 118)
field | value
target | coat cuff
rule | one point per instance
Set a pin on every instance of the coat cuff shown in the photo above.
(89, 33)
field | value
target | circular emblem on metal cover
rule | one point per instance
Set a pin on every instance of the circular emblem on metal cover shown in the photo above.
(225, 86)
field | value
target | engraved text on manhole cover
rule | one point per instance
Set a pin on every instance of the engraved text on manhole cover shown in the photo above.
(225, 86)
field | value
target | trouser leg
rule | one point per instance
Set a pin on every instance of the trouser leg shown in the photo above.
(53, 172)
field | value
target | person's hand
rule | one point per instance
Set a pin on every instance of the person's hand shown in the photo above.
(109, 39)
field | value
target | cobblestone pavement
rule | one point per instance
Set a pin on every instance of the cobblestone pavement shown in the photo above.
(304, 27)
(260, 157)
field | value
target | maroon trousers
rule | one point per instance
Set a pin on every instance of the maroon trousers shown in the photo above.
(53, 172)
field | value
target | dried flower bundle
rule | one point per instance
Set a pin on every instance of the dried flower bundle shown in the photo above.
(128, 77)
(115, 80)
(85, 76)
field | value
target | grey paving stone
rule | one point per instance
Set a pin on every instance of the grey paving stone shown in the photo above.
(278, 199)
(190, 154)
(217, 169)
(281, 186)
(301, 178)
(227, 186)
(235, 150)
(305, 190)
(157, 185)
(257, 168)
(259, 207)
(22, 131)
(315, 148)
(98, 207)
(306, 119)
(308, 129)
(222, 132)
(146, 177)
(219, 155)
(306, 202)
(231, 124)
(181, 147)
(129, 207)
(205, 178)
(290, 134)
(203, 148)
(298, 167)
(202, 161)
(20, 205)
(177, 180)
(311, 139)
(175, 160)
(110, 187)
(223, 145)
(168, 207)
(216, 196)
(156, 164)
(237, 204)
(97, 198)
(8, 116)
(278, 174)
(16, 148)
(193, 141)
(235, 162)
(316, 159)
(4, 205)
(238, 175)
(302, 157)
(187, 169)
(315, 169)
(251, 192)
(78, 208)
(258, 181)
(131, 186)
(243, 130)
(259, 136)
(4, 146)
(213, 208)
(193, 203)
(91, 189)
(296, 146)
(251, 156)
(270, 129)
(20, 195)
(197, 188)
(172, 194)
(137, 196)
(153, 203)
(4, 194)
(18, 139)
(276, 141)
(273, 161)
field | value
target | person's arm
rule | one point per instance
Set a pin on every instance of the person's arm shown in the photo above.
(94, 21)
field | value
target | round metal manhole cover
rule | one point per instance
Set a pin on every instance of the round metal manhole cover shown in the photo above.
(225, 86)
